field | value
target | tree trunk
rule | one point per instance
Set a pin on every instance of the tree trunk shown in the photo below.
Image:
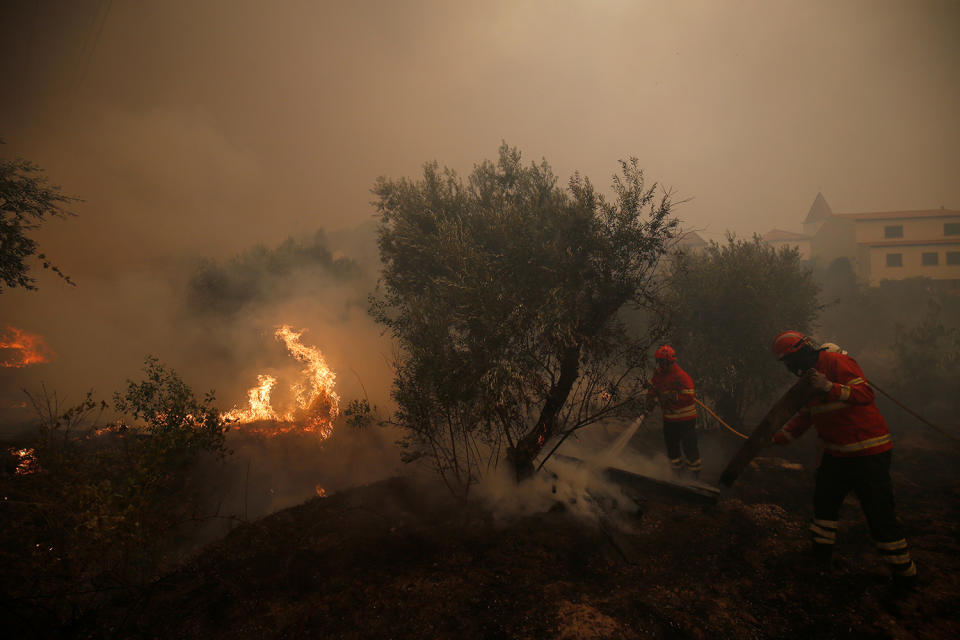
(529, 445)
(527, 448)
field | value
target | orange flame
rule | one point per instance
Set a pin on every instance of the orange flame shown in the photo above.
(321, 492)
(19, 349)
(27, 462)
(316, 403)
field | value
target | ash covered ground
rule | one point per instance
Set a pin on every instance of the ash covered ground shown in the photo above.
(400, 558)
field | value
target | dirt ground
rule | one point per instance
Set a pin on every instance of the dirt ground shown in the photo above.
(397, 559)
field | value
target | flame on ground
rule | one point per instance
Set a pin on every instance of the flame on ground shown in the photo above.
(316, 403)
(20, 349)
(27, 462)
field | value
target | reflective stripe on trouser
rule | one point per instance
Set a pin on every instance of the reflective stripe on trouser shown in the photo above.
(897, 556)
(823, 531)
(681, 441)
(869, 478)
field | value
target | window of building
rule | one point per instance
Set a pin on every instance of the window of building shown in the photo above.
(893, 231)
(951, 228)
(896, 259)
(953, 257)
(930, 259)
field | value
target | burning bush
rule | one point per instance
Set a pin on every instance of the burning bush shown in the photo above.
(316, 404)
(20, 349)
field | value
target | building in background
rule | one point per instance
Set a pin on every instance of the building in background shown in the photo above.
(885, 245)
(779, 238)
(691, 241)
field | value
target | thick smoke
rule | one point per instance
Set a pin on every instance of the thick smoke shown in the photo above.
(213, 322)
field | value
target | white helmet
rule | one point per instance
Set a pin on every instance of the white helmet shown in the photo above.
(832, 347)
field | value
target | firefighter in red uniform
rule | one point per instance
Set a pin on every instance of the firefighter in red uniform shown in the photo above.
(672, 387)
(856, 451)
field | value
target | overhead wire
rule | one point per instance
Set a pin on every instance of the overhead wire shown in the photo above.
(99, 23)
(914, 413)
(78, 61)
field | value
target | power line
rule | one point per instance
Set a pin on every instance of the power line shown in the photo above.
(28, 58)
(78, 63)
(98, 23)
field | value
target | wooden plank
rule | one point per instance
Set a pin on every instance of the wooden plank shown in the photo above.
(608, 524)
(778, 415)
(698, 493)
(687, 492)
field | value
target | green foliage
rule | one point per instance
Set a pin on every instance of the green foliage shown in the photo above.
(729, 302)
(904, 335)
(360, 414)
(503, 292)
(927, 364)
(107, 505)
(26, 200)
(864, 319)
(173, 416)
(261, 274)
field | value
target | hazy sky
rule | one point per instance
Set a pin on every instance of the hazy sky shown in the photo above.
(225, 122)
(210, 125)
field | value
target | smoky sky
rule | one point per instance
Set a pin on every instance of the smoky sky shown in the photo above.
(200, 128)
(186, 124)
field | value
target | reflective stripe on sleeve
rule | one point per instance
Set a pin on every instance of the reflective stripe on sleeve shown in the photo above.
(844, 392)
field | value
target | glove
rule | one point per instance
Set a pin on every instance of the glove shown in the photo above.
(781, 437)
(818, 381)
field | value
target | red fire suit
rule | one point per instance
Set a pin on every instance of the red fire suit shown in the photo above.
(673, 388)
(857, 453)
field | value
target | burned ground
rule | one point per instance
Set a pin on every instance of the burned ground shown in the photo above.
(395, 559)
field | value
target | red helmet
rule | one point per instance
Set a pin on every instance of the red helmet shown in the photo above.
(789, 342)
(667, 353)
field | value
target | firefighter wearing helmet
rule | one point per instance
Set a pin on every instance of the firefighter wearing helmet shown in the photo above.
(856, 450)
(672, 387)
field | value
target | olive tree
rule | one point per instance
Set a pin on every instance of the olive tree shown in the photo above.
(505, 294)
(26, 200)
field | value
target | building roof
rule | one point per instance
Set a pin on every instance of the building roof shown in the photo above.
(890, 215)
(779, 235)
(819, 210)
(691, 239)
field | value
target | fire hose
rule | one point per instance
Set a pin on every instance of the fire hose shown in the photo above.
(718, 418)
(872, 384)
